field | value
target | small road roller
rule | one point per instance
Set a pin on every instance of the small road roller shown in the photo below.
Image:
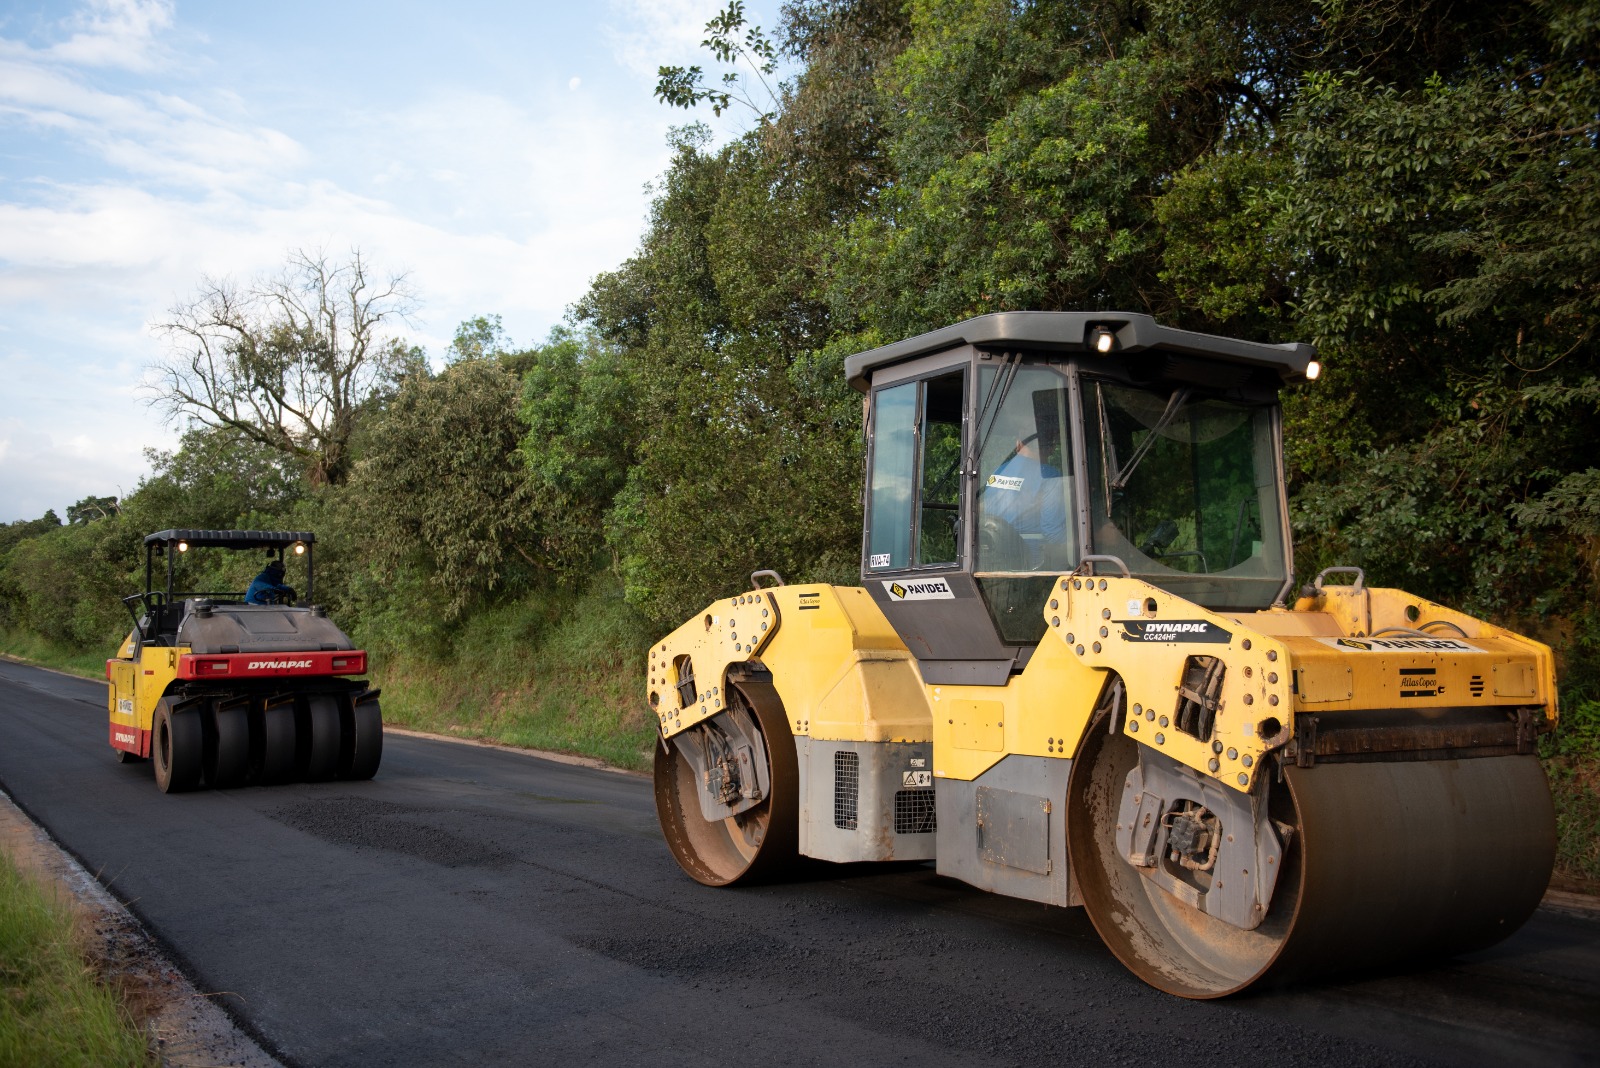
(222, 689)
(1077, 672)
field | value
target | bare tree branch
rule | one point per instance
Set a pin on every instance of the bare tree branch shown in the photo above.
(289, 360)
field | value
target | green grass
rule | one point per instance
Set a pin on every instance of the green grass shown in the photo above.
(1575, 789)
(52, 1010)
(561, 674)
(91, 664)
(1572, 760)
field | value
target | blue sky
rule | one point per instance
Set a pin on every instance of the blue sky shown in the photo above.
(498, 153)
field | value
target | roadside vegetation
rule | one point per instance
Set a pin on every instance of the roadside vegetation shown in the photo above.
(1411, 187)
(54, 1013)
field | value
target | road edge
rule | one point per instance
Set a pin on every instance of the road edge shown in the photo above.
(543, 754)
(185, 1027)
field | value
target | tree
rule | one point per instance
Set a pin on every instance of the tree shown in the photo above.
(479, 338)
(215, 479)
(579, 402)
(91, 508)
(684, 87)
(747, 456)
(442, 496)
(288, 361)
(1447, 231)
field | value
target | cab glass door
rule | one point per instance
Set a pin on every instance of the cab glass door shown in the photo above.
(914, 485)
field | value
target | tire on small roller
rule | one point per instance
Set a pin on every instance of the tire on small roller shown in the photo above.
(272, 742)
(317, 737)
(361, 747)
(176, 746)
(226, 759)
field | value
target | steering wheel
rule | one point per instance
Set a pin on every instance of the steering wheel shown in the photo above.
(999, 542)
(1165, 534)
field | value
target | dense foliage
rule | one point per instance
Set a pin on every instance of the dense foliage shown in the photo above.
(1411, 186)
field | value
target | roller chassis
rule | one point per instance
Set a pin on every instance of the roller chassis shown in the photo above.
(1071, 799)
(1233, 794)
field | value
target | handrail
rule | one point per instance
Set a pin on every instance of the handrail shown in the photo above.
(1094, 558)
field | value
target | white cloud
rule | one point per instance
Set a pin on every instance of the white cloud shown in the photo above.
(495, 202)
(120, 34)
(644, 34)
(151, 135)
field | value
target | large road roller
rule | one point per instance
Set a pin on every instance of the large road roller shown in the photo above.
(1077, 672)
(228, 688)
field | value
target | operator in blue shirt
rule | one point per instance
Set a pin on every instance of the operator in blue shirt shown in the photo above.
(268, 587)
(1028, 494)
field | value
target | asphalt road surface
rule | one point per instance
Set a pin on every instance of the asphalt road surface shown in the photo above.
(476, 906)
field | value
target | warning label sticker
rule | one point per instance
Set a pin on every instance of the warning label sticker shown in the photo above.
(919, 590)
(916, 778)
(1402, 645)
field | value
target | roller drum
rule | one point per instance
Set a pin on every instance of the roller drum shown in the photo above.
(1387, 862)
(756, 845)
(1409, 860)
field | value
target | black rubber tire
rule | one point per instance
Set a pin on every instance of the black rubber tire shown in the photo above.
(272, 743)
(361, 748)
(177, 744)
(317, 737)
(226, 762)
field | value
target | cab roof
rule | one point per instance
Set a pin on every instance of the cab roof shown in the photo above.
(1069, 331)
(232, 539)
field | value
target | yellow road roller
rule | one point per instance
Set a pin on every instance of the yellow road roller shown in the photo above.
(1076, 672)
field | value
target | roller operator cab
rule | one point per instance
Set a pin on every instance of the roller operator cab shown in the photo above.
(1073, 673)
(243, 686)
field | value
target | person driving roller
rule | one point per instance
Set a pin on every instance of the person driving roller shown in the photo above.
(268, 587)
(1024, 501)
(1023, 498)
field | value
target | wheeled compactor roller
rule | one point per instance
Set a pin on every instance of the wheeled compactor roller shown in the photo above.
(225, 689)
(1074, 674)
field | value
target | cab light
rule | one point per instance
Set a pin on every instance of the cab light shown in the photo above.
(1102, 339)
(1313, 369)
(183, 546)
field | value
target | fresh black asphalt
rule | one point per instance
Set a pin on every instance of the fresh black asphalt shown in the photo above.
(477, 906)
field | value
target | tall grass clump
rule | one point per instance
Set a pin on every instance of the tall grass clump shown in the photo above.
(550, 670)
(53, 1012)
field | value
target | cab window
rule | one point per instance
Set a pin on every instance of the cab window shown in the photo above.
(914, 489)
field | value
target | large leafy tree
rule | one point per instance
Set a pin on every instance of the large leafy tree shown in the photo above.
(748, 451)
(440, 502)
(1447, 227)
(1032, 146)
